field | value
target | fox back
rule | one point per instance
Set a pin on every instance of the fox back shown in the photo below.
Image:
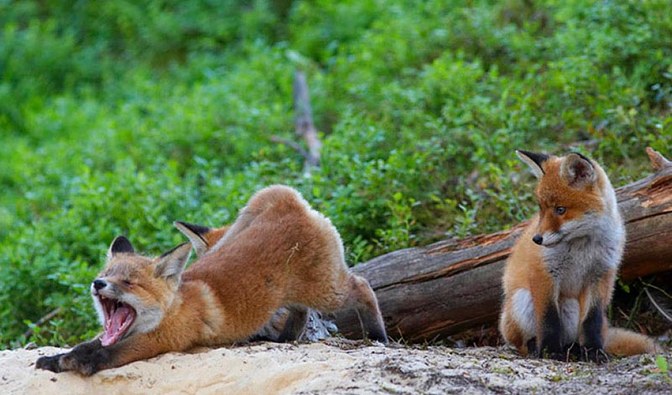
(278, 253)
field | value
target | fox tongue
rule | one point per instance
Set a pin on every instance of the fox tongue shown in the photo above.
(116, 325)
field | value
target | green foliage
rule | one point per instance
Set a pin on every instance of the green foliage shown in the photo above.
(119, 117)
(662, 365)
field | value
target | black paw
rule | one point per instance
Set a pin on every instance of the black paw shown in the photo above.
(558, 356)
(532, 347)
(593, 354)
(86, 358)
(263, 338)
(552, 352)
(377, 334)
(568, 353)
(71, 362)
(573, 352)
(49, 363)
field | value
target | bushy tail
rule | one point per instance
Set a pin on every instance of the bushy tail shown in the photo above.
(621, 342)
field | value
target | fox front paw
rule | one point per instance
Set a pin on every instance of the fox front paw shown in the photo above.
(572, 352)
(591, 354)
(552, 351)
(66, 362)
(85, 367)
(568, 353)
(86, 359)
(555, 355)
(51, 363)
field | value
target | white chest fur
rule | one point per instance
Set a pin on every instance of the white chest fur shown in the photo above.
(592, 246)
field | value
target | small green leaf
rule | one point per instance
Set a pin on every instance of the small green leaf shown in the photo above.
(661, 362)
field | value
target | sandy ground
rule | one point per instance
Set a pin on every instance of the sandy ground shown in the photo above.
(339, 366)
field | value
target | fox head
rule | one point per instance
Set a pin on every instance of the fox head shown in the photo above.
(132, 292)
(202, 238)
(573, 192)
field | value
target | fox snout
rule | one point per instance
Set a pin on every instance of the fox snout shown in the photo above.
(98, 284)
(549, 239)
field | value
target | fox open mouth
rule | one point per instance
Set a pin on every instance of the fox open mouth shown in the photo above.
(119, 316)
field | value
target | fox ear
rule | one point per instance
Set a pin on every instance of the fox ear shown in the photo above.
(535, 161)
(120, 245)
(196, 235)
(171, 264)
(578, 170)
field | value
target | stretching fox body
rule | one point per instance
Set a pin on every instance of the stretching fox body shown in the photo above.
(203, 239)
(278, 253)
(559, 279)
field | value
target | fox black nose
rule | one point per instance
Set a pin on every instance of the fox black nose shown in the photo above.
(538, 239)
(99, 284)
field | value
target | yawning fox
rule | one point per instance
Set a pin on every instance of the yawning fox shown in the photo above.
(559, 279)
(278, 253)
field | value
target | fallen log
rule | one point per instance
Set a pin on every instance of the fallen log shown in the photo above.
(432, 292)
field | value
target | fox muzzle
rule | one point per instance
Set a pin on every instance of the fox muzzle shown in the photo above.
(99, 284)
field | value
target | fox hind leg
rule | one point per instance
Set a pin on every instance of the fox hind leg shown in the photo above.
(518, 323)
(295, 324)
(522, 312)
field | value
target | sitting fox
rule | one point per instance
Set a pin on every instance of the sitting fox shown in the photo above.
(278, 253)
(559, 279)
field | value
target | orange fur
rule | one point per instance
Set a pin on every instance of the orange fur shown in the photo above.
(215, 235)
(285, 254)
(621, 342)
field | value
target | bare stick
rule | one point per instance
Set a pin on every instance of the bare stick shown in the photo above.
(303, 121)
(658, 161)
(291, 144)
(53, 313)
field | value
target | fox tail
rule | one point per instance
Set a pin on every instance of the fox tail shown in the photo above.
(622, 342)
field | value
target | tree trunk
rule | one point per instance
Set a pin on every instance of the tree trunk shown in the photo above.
(431, 292)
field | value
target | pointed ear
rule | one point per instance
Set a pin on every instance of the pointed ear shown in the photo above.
(171, 264)
(196, 235)
(535, 161)
(578, 170)
(120, 245)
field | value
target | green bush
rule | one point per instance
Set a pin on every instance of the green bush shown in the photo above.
(122, 116)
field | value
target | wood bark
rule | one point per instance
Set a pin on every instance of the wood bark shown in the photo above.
(432, 292)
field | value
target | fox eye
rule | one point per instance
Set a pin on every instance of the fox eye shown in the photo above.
(560, 210)
(127, 283)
